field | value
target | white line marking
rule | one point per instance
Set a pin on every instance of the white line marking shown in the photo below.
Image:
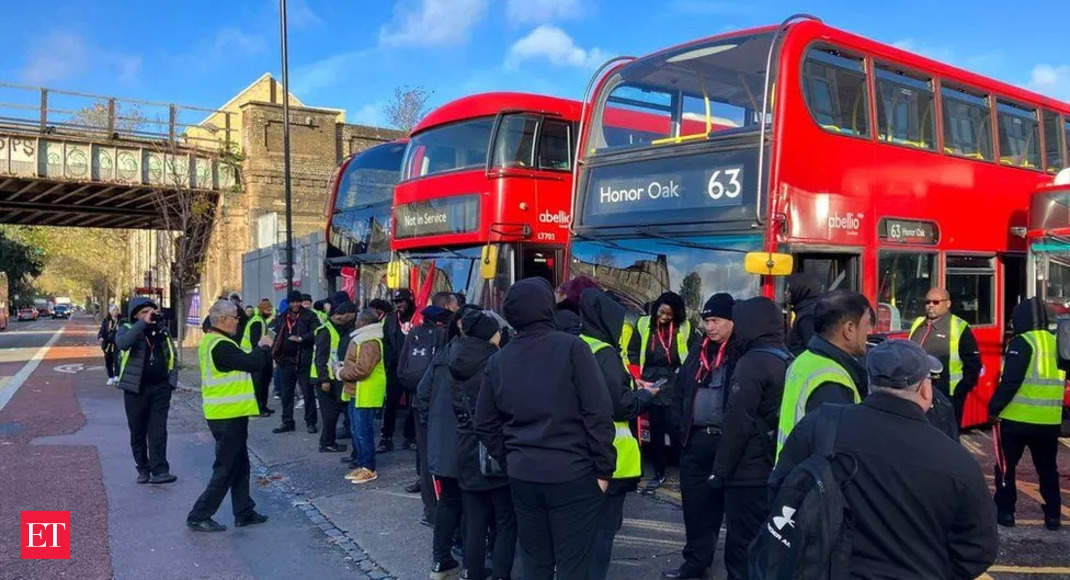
(12, 386)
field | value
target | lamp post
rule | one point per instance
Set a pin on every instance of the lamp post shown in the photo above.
(286, 151)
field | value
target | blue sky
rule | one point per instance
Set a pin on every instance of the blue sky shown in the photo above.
(352, 53)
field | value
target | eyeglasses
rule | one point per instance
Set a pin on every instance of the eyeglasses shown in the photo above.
(934, 302)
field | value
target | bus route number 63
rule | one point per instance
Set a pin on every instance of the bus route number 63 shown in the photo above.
(725, 183)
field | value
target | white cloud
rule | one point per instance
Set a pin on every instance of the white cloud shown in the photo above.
(325, 73)
(550, 43)
(432, 22)
(230, 40)
(373, 114)
(300, 15)
(540, 11)
(57, 57)
(1051, 80)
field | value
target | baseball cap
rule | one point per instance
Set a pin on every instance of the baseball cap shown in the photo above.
(898, 364)
(401, 294)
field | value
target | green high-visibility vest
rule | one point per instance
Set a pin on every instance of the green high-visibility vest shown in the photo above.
(371, 391)
(322, 316)
(224, 395)
(954, 363)
(805, 374)
(629, 464)
(682, 335)
(626, 337)
(1040, 398)
(332, 358)
(125, 355)
(247, 336)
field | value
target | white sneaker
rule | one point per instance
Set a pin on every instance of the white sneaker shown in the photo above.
(111, 381)
(300, 404)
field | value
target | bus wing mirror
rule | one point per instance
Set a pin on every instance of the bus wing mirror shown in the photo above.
(768, 263)
(488, 262)
(393, 274)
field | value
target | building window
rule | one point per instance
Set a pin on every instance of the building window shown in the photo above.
(971, 284)
(905, 109)
(1019, 136)
(267, 230)
(967, 124)
(1053, 143)
(835, 91)
(903, 279)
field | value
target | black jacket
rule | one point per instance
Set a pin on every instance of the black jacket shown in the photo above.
(109, 329)
(748, 441)
(395, 327)
(466, 361)
(920, 504)
(544, 405)
(804, 290)
(661, 361)
(603, 319)
(690, 378)
(435, 410)
(1028, 315)
(835, 392)
(939, 346)
(143, 340)
(303, 324)
(567, 320)
(323, 348)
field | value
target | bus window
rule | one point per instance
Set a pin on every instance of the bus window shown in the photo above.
(834, 271)
(516, 141)
(905, 109)
(1019, 136)
(1066, 139)
(903, 278)
(1053, 143)
(967, 124)
(835, 91)
(541, 263)
(451, 147)
(971, 284)
(554, 146)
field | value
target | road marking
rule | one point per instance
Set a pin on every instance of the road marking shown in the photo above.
(1065, 441)
(12, 386)
(1030, 569)
(972, 447)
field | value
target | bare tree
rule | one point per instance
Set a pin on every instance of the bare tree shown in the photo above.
(104, 115)
(407, 107)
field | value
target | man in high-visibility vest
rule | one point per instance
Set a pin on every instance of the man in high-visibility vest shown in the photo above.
(363, 375)
(830, 370)
(1028, 406)
(331, 341)
(602, 321)
(255, 328)
(948, 338)
(228, 399)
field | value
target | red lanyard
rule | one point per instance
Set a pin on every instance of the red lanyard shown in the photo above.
(290, 322)
(704, 363)
(665, 343)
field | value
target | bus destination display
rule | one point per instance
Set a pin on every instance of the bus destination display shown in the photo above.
(447, 215)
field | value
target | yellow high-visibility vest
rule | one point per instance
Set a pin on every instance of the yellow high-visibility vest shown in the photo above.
(629, 464)
(224, 395)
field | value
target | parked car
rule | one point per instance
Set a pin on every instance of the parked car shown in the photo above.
(28, 313)
(61, 311)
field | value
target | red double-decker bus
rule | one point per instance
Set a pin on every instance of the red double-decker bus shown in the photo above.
(1049, 253)
(358, 220)
(484, 196)
(880, 170)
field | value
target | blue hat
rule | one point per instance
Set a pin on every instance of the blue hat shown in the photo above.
(898, 364)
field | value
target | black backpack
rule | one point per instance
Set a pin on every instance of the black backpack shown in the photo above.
(416, 353)
(808, 532)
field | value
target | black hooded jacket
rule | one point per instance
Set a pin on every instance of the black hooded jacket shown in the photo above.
(603, 319)
(466, 361)
(1029, 315)
(394, 330)
(567, 320)
(834, 392)
(804, 290)
(748, 441)
(544, 405)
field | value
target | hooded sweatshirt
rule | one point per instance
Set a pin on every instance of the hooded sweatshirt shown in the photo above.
(603, 320)
(466, 361)
(745, 455)
(544, 407)
(1029, 315)
(804, 290)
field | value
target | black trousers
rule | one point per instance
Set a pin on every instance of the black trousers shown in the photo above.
(292, 376)
(703, 505)
(262, 386)
(146, 416)
(555, 523)
(1043, 444)
(659, 427)
(391, 408)
(331, 406)
(230, 472)
(111, 361)
(744, 510)
(427, 486)
(484, 510)
(447, 518)
(610, 519)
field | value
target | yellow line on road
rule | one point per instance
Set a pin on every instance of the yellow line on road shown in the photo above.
(1029, 570)
(1065, 441)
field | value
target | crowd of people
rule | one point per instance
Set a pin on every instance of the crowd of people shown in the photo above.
(526, 423)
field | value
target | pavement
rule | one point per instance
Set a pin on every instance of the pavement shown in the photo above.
(63, 446)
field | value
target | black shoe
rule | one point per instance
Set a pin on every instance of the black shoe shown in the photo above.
(283, 429)
(313, 429)
(265, 414)
(444, 569)
(413, 487)
(208, 525)
(142, 477)
(385, 446)
(162, 478)
(250, 520)
(1052, 523)
(408, 444)
(336, 448)
(1006, 520)
(426, 522)
(683, 573)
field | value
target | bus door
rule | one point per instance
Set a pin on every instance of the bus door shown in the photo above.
(835, 270)
(1014, 287)
(542, 261)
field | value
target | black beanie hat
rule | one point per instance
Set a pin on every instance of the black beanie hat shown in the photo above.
(293, 297)
(346, 307)
(719, 305)
(478, 325)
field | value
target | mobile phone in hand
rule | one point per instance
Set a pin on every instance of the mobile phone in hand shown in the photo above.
(659, 383)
